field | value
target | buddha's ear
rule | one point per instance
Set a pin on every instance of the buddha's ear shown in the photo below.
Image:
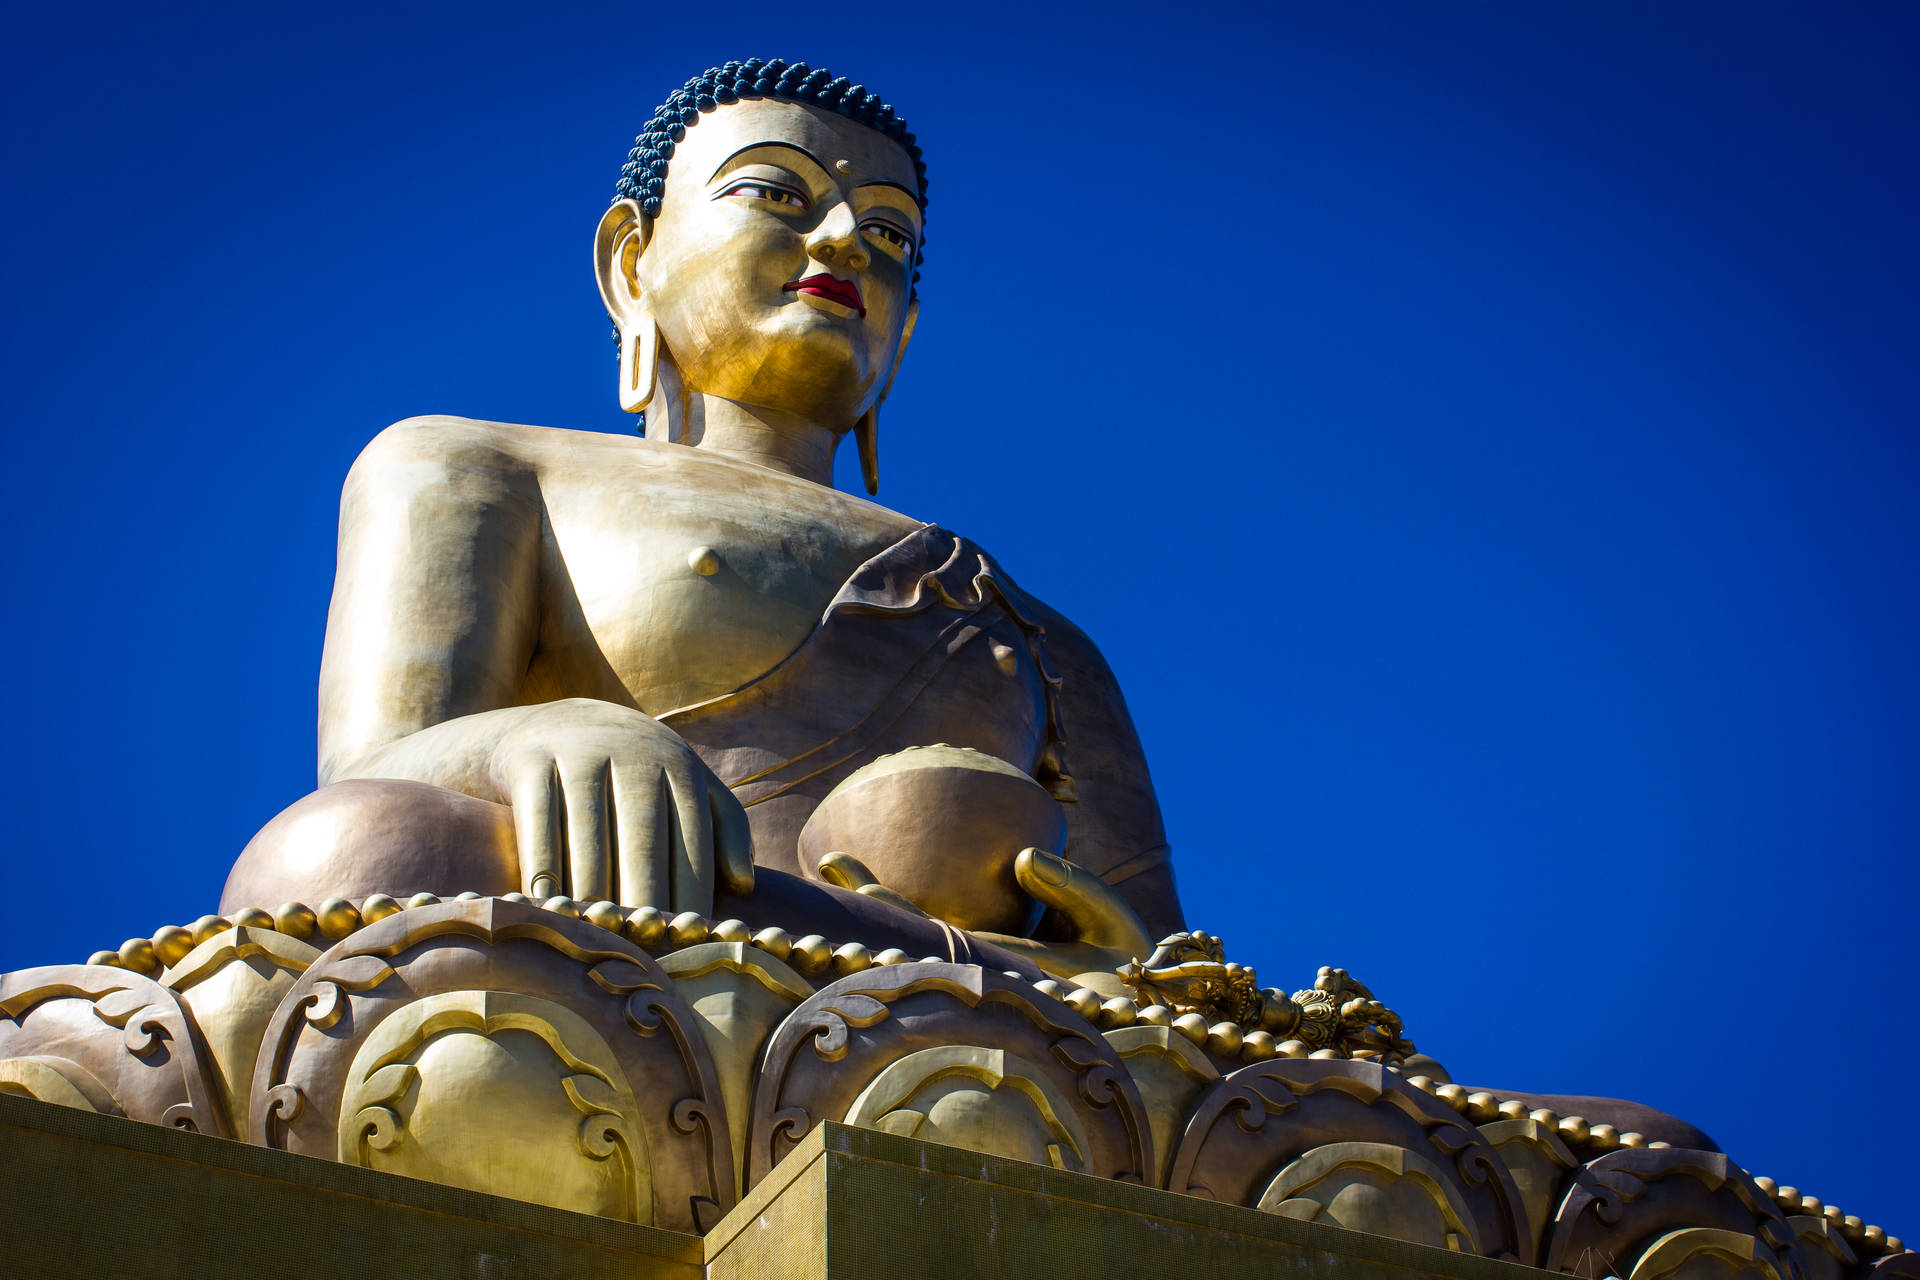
(622, 236)
(623, 232)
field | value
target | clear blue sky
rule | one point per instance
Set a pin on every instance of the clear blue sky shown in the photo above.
(1482, 438)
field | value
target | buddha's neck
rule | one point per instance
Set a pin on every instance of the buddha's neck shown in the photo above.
(782, 441)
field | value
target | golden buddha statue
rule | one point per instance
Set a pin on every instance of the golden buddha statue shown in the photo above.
(570, 663)
(682, 670)
(671, 716)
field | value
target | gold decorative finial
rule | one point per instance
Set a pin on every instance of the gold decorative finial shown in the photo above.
(1189, 973)
(1338, 1012)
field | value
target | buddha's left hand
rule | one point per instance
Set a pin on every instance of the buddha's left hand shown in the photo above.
(1107, 933)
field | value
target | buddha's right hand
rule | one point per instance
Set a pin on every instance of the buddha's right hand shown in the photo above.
(1106, 932)
(609, 801)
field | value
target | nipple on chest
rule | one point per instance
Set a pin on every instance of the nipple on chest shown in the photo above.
(704, 561)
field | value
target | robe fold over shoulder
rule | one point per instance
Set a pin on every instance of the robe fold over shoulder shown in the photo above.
(929, 641)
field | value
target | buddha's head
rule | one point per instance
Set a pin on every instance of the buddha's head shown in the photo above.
(763, 248)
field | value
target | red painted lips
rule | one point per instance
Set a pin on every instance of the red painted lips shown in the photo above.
(844, 292)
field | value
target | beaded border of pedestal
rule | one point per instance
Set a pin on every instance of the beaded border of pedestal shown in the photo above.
(813, 956)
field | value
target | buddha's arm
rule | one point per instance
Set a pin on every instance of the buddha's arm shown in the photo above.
(435, 615)
(435, 607)
(1114, 830)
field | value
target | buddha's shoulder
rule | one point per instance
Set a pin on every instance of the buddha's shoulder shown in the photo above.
(478, 457)
(444, 440)
(559, 462)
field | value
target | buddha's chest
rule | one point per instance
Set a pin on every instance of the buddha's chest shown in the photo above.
(682, 592)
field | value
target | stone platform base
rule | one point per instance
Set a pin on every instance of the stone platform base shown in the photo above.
(106, 1198)
(853, 1204)
(98, 1196)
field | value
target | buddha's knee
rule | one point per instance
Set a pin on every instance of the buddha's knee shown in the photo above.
(376, 835)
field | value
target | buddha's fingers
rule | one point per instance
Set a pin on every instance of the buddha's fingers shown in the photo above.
(732, 840)
(536, 827)
(692, 819)
(848, 872)
(589, 858)
(640, 827)
(1099, 915)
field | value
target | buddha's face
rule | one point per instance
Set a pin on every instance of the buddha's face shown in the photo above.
(780, 265)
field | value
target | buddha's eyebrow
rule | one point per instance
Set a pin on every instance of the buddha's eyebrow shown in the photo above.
(762, 146)
(882, 182)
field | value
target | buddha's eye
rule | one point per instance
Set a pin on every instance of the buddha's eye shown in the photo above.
(888, 232)
(769, 192)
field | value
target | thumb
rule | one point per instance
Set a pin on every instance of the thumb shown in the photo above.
(848, 872)
(1098, 913)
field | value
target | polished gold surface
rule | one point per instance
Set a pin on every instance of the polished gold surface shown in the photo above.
(1377, 1188)
(1190, 973)
(958, 867)
(739, 994)
(978, 1099)
(231, 984)
(710, 334)
(505, 1093)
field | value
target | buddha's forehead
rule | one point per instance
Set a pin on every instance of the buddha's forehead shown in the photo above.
(828, 137)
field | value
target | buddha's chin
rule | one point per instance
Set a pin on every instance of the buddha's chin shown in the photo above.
(815, 373)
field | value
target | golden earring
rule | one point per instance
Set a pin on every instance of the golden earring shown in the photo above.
(639, 364)
(866, 433)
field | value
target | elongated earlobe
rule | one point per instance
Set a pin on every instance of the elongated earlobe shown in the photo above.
(639, 362)
(866, 434)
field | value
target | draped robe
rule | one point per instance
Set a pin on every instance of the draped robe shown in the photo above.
(928, 641)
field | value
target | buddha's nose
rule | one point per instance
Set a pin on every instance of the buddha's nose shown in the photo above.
(836, 241)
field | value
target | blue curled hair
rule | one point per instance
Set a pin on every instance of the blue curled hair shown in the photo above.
(643, 179)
